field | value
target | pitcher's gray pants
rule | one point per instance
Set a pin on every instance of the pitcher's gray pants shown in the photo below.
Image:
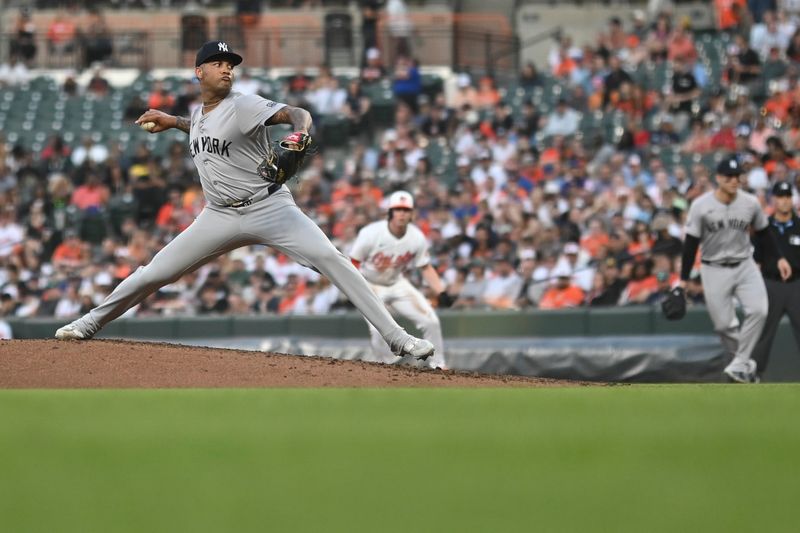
(275, 221)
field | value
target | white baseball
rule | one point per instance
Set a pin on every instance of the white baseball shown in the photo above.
(147, 126)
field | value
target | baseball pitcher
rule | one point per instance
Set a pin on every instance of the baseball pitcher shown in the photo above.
(383, 251)
(719, 222)
(243, 176)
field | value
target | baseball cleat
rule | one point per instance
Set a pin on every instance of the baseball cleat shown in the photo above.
(73, 332)
(417, 348)
(742, 371)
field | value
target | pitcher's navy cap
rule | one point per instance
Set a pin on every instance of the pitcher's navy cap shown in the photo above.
(216, 50)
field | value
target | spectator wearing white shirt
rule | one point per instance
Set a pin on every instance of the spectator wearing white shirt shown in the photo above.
(13, 73)
(503, 148)
(767, 35)
(504, 286)
(328, 98)
(485, 168)
(246, 84)
(11, 233)
(562, 121)
(97, 153)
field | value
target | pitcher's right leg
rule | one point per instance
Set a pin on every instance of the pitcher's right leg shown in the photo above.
(214, 232)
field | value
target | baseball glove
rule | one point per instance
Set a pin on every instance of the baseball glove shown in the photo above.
(285, 158)
(674, 306)
(444, 299)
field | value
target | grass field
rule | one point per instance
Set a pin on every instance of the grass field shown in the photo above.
(638, 458)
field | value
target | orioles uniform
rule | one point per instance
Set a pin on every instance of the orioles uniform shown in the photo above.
(383, 258)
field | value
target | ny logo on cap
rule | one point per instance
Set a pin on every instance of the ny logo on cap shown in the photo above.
(222, 47)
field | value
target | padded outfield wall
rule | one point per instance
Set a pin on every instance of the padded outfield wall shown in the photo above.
(616, 344)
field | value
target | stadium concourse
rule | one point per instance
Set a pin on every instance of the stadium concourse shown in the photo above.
(566, 185)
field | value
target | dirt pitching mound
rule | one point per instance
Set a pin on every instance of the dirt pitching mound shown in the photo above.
(125, 364)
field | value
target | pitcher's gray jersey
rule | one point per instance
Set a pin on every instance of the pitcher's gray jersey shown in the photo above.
(724, 229)
(228, 145)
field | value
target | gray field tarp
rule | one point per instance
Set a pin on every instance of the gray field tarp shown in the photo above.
(643, 359)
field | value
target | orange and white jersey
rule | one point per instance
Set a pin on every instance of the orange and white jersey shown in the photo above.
(383, 257)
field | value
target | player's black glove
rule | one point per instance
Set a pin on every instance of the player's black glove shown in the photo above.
(674, 305)
(444, 299)
(285, 158)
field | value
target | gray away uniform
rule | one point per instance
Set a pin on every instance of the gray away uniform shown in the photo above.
(227, 146)
(728, 269)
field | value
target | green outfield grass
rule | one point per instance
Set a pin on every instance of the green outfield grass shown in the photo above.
(638, 458)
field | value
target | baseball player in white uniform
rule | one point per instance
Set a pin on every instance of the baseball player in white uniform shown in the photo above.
(383, 251)
(719, 222)
(228, 140)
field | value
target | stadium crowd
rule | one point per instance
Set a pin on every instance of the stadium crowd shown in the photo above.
(538, 211)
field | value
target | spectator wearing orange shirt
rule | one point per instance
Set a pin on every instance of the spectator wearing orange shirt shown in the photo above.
(72, 252)
(563, 293)
(92, 196)
(641, 284)
(488, 95)
(160, 99)
(730, 13)
(173, 215)
(61, 35)
(595, 240)
(777, 154)
(681, 45)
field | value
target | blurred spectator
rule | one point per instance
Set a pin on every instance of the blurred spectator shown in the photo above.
(503, 287)
(488, 95)
(729, 13)
(615, 77)
(245, 83)
(173, 217)
(98, 85)
(5, 329)
(69, 305)
(562, 121)
(23, 43)
(563, 293)
(373, 70)
(400, 27)
(13, 73)
(160, 99)
(744, 65)
(72, 253)
(325, 95)
(96, 39)
(657, 43)
(681, 44)
(407, 81)
(607, 285)
(766, 35)
(187, 101)
(92, 195)
(356, 110)
(370, 13)
(529, 77)
(11, 233)
(61, 35)
(641, 283)
(89, 151)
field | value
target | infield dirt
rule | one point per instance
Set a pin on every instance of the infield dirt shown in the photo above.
(125, 364)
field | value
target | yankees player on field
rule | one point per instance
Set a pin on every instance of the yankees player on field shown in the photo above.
(719, 221)
(229, 144)
(383, 251)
